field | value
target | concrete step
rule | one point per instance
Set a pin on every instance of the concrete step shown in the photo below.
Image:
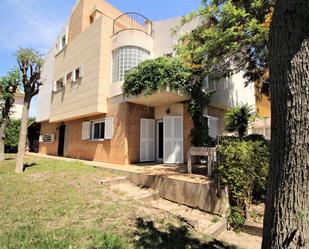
(114, 181)
(153, 195)
(131, 191)
(207, 224)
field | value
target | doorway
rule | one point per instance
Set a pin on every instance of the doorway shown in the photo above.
(61, 140)
(159, 139)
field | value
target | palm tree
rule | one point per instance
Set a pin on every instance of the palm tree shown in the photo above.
(238, 119)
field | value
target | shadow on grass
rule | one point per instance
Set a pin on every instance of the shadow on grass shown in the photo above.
(149, 237)
(29, 165)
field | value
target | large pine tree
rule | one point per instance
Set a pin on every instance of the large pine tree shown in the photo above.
(286, 222)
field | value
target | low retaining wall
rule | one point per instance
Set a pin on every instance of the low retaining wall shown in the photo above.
(204, 196)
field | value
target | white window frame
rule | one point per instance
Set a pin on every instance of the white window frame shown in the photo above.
(56, 89)
(93, 122)
(65, 37)
(74, 79)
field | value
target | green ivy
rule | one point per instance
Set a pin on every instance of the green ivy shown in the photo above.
(157, 74)
(169, 73)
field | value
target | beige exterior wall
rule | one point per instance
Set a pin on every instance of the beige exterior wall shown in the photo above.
(232, 91)
(168, 110)
(164, 40)
(80, 18)
(91, 50)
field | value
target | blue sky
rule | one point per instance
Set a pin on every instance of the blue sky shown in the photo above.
(35, 23)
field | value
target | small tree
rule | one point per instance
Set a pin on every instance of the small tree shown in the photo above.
(238, 119)
(30, 63)
(8, 87)
(234, 36)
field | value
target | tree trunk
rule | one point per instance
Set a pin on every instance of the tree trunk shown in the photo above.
(288, 182)
(2, 137)
(23, 136)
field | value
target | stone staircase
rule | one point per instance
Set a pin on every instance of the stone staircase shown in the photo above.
(205, 223)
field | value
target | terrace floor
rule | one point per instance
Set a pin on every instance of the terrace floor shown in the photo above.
(171, 181)
(175, 171)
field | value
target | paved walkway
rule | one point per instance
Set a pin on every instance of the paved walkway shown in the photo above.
(170, 171)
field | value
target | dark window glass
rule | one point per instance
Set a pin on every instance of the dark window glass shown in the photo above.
(102, 130)
(63, 41)
(91, 19)
(96, 131)
(77, 74)
(69, 76)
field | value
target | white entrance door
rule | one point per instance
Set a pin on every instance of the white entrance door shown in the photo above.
(147, 140)
(173, 140)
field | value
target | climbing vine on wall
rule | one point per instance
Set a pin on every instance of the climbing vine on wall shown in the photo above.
(165, 73)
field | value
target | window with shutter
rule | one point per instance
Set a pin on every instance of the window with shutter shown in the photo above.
(59, 84)
(109, 128)
(78, 74)
(86, 130)
(98, 130)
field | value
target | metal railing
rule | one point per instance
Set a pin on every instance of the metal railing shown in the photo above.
(132, 21)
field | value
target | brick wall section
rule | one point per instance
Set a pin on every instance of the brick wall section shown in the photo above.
(187, 126)
(114, 151)
(134, 115)
(123, 148)
(49, 148)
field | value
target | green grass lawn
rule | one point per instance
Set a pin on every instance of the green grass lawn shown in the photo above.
(58, 204)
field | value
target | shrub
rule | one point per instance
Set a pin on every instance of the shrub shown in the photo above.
(243, 168)
(12, 136)
(235, 218)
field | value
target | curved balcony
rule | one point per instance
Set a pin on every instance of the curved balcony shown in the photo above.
(132, 21)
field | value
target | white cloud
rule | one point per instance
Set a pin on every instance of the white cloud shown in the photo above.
(31, 24)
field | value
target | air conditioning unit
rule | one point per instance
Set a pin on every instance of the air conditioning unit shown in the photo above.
(48, 138)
